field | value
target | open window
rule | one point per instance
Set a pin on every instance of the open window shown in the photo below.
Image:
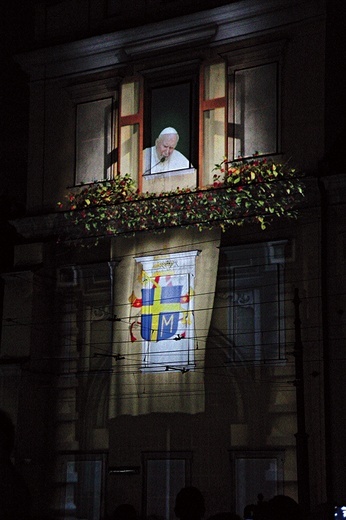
(170, 154)
(158, 128)
(232, 111)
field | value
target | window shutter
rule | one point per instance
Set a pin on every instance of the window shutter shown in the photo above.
(131, 128)
(212, 131)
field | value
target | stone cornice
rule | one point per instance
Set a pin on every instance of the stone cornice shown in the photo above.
(40, 227)
(216, 26)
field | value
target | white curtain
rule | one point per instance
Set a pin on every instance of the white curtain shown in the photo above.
(135, 387)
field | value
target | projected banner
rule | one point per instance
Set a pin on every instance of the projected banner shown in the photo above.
(164, 287)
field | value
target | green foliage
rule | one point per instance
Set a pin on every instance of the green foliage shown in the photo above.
(255, 191)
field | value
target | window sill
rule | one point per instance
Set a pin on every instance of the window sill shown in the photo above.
(169, 181)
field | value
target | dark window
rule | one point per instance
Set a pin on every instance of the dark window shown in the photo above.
(256, 472)
(252, 287)
(165, 474)
(94, 138)
(171, 107)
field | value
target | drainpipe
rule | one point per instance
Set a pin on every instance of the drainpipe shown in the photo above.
(325, 340)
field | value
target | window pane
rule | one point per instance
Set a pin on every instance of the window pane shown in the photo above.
(214, 141)
(255, 476)
(254, 313)
(129, 150)
(256, 304)
(245, 322)
(129, 98)
(93, 141)
(214, 81)
(256, 104)
(164, 479)
(171, 107)
(82, 483)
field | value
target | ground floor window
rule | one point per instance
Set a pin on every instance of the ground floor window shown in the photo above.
(164, 476)
(256, 474)
(83, 492)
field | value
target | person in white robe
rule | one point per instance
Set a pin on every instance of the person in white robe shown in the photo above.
(163, 156)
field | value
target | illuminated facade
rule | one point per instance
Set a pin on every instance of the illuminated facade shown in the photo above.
(167, 357)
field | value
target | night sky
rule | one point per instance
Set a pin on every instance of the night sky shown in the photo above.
(16, 31)
(16, 35)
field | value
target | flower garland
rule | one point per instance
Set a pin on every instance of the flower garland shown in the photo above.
(243, 191)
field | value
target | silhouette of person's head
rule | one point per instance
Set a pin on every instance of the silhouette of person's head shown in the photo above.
(284, 508)
(249, 511)
(189, 504)
(227, 515)
(124, 512)
(256, 511)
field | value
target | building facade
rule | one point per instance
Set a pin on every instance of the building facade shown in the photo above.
(163, 338)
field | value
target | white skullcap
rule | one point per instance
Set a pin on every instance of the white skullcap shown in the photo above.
(168, 130)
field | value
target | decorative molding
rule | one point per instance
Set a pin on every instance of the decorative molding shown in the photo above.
(255, 54)
(41, 226)
(180, 38)
(218, 26)
(94, 90)
(99, 313)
